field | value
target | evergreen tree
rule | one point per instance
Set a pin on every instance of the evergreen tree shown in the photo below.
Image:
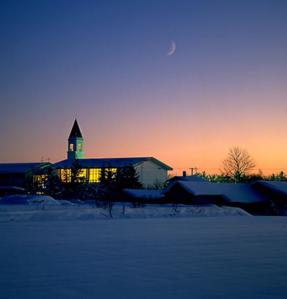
(107, 187)
(127, 177)
(75, 182)
(281, 176)
(76, 173)
(53, 185)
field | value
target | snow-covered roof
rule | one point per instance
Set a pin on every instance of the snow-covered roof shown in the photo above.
(19, 167)
(277, 186)
(110, 162)
(232, 192)
(144, 193)
(188, 178)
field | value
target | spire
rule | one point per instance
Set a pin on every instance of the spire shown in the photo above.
(75, 132)
(75, 143)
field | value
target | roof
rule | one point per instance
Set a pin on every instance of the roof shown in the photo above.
(75, 132)
(19, 167)
(191, 178)
(242, 193)
(277, 186)
(110, 162)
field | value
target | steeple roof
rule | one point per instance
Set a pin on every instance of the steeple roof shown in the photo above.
(75, 132)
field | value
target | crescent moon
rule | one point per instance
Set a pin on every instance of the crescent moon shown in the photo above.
(172, 48)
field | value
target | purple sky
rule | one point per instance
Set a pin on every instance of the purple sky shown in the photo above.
(106, 63)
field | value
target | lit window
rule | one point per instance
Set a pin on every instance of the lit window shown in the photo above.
(94, 175)
(79, 147)
(113, 171)
(65, 175)
(71, 147)
(39, 180)
(82, 174)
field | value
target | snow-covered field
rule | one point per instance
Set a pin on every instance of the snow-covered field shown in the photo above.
(45, 208)
(158, 257)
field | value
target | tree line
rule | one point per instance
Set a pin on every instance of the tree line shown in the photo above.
(238, 167)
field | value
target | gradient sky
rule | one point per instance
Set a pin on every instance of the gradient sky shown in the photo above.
(105, 62)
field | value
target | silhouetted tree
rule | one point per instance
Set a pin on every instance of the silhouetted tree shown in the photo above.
(75, 182)
(53, 185)
(238, 164)
(107, 185)
(127, 177)
(76, 171)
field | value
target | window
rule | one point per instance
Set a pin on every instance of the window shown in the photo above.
(71, 147)
(79, 147)
(65, 175)
(39, 180)
(112, 171)
(94, 175)
(82, 175)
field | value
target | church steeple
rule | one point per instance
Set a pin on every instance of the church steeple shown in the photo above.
(75, 143)
(76, 132)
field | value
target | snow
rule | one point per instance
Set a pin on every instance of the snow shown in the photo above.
(34, 200)
(190, 178)
(195, 257)
(45, 208)
(242, 193)
(280, 186)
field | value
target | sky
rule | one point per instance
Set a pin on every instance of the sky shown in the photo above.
(106, 63)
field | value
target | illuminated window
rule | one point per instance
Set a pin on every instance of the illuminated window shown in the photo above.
(71, 147)
(79, 147)
(112, 171)
(82, 175)
(39, 180)
(65, 175)
(94, 175)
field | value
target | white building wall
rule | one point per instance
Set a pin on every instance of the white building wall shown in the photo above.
(151, 174)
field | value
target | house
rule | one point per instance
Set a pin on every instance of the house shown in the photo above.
(276, 189)
(277, 193)
(144, 195)
(16, 174)
(150, 170)
(239, 195)
(187, 178)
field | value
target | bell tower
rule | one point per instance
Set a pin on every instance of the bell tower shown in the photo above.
(75, 143)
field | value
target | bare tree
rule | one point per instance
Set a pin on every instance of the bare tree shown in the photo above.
(238, 163)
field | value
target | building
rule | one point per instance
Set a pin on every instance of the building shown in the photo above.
(150, 170)
(17, 174)
(237, 195)
(187, 178)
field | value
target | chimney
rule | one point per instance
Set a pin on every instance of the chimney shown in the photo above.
(184, 173)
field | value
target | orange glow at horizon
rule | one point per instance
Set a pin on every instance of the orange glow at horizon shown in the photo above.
(105, 64)
(182, 139)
